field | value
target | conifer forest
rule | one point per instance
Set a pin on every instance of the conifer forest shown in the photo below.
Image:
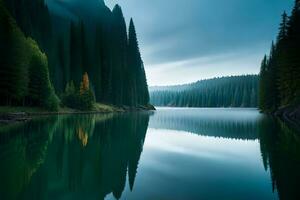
(43, 53)
(149, 100)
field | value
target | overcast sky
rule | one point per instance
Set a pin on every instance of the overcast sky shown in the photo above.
(182, 41)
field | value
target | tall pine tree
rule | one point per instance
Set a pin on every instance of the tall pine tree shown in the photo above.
(281, 79)
(119, 64)
(263, 84)
(137, 79)
(294, 53)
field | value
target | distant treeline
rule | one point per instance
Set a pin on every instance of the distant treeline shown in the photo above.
(92, 39)
(280, 71)
(235, 91)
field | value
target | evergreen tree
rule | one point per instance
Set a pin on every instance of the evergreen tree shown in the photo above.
(41, 92)
(294, 54)
(85, 65)
(281, 81)
(75, 53)
(144, 95)
(104, 56)
(283, 29)
(114, 62)
(64, 68)
(70, 96)
(119, 53)
(133, 62)
(272, 102)
(137, 79)
(33, 18)
(24, 68)
(14, 60)
(283, 69)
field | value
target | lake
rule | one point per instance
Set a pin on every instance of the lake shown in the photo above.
(170, 154)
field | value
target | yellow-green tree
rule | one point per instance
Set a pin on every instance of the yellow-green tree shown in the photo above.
(86, 95)
(85, 83)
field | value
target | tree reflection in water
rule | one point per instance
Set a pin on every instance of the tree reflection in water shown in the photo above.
(94, 155)
(280, 149)
(75, 155)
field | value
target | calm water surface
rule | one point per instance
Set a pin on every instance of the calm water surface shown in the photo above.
(166, 155)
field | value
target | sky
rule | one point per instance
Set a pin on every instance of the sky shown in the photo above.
(182, 41)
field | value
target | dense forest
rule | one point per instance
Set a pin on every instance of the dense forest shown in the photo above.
(86, 44)
(235, 91)
(24, 75)
(280, 71)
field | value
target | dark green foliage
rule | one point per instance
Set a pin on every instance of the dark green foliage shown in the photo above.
(52, 102)
(32, 141)
(33, 18)
(238, 91)
(82, 98)
(13, 77)
(74, 45)
(40, 91)
(262, 84)
(79, 61)
(293, 54)
(119, 49)
(280, 72)
(270, 101)
(137, 82)
(280, 148)
(64, 71)
(70, 96)
(66, 147)
(24, 76)
(86, 100)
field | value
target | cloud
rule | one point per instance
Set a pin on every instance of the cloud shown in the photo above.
(186, 40)
(198, 68)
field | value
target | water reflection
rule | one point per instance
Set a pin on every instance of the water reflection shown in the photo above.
(88, 155)
(225, 123)
(280, 149)
(96, 156)
(23, 149)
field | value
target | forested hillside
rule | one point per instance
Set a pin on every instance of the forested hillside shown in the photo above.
(24, 76)
(80, 38)
(235, 91)
(280, 71)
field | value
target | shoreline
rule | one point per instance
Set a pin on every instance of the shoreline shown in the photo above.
(290, 114)
(7, 118)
